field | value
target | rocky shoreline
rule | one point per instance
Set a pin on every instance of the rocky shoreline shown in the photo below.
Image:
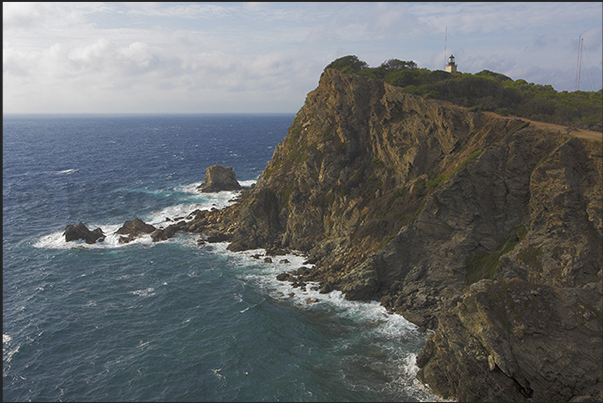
(485, 229)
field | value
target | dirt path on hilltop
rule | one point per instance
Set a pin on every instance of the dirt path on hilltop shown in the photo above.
(584, 134)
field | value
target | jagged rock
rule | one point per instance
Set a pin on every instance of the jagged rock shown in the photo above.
(218, 178)
(80, 231)
(285, 277)
(217, 236)
(133, 229)
(325, 287)
(168, 232)
(258, 219)
(530, 340)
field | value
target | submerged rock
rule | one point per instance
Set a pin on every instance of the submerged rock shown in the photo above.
(218, 178)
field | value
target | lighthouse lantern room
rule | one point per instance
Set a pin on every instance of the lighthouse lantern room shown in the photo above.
(451, 66)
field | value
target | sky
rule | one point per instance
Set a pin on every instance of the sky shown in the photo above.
(265, 57)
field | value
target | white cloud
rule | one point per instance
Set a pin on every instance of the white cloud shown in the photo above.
(187, 10)
(266, 56)
(40, 16)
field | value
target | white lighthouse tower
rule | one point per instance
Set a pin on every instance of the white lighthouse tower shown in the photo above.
(451, 66)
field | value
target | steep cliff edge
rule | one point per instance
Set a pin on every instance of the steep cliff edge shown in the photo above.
(484, 228)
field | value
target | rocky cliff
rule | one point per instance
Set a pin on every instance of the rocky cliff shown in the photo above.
(485, 229)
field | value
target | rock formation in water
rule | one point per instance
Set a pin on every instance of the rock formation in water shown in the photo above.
(133, 229)
(81, 232)
(485, 229)
(218, 178)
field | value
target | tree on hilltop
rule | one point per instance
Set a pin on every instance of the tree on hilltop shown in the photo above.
(395, 64)
(348, 64)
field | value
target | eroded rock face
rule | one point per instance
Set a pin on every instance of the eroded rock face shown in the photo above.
(486, 229)
(518, 341)
(81, 232)
(218, 178)
(411, 201)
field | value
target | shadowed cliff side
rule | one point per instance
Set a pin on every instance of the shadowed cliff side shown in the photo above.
(486, 229)
(412, 201)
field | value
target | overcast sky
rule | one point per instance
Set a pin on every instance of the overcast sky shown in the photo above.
(265, 57)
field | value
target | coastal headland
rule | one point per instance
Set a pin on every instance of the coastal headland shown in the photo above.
(485, 230)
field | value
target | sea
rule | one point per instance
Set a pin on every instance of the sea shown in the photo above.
(173, 320)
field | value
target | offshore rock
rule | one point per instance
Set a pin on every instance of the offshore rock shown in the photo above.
(133, 229)
(218, 178)
(163, 234)
(80, 231)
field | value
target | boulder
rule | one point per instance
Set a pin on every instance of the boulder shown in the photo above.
(170, 231)
(285, 277)
(218, 178)
(133, 229)
(80, 231)
(326, 287)
(214, 236)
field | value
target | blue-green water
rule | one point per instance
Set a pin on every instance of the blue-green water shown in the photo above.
(168, 321)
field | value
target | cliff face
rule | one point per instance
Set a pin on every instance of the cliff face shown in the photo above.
(484, 228)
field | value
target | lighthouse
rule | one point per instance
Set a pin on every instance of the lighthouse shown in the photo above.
(451, 66)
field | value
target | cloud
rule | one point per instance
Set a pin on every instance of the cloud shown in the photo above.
(40, 16)
(187, 10)
(267, 56)
(484, 18)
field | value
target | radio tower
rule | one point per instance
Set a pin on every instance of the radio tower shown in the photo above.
(445, 44)
(579, 62)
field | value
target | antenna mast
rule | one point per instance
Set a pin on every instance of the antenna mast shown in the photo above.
(579, 62)
(445, 44)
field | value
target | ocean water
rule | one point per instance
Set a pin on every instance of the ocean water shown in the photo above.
(168, 321)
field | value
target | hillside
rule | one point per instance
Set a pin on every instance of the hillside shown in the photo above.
(488, 91)
(485, 229)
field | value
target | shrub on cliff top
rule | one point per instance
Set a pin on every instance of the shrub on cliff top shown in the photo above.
(348, 64)
(487, 91)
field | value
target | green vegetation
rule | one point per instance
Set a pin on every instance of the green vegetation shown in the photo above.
(487, 91)
(376, 162)
(482, 265)
(530, 257)
(348, 64)
(435, 181)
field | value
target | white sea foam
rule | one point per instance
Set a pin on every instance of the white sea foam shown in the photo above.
(8, 350)
(248, 183)
(142, 344)
(66, 171)
(160, 218)
(56, 240)
(147, 292)
(192, 187)
(384, 327)
(264, 275)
